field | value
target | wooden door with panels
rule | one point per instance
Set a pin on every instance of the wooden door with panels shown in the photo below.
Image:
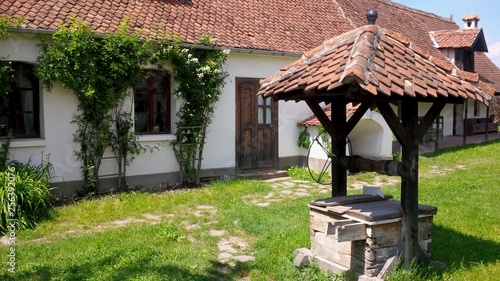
(256, 127)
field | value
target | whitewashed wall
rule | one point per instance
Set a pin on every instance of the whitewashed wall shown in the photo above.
(59, 106)
(371, 137)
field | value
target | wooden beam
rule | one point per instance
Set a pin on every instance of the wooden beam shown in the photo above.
(359, 164)
(487, 123)
(409, 181)
(393, 121)
(351, 123)
(466, 105)
(339, 142)
(429, 118)
(321, 115)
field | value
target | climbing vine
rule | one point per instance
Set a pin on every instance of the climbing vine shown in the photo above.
(99, 70)
(325, 138)
(201, 79)
(5, 67)
(304, 139)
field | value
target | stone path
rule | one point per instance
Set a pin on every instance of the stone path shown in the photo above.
(232, 249)
(286, 188)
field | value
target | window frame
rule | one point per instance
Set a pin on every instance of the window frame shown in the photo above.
(149, 102)
(14, 109)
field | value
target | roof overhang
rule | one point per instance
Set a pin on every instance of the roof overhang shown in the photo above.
(469, 39)
(372, 63)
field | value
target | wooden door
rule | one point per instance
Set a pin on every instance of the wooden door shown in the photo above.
(256, 127)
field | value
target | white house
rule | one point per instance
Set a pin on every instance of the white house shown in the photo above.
(247, 133)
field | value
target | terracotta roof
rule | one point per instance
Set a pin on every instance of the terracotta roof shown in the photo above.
(383, 63)
(461, 38)
(488, 70)
(292, 26)
(249, 24)
(313, 120)
(414, 24)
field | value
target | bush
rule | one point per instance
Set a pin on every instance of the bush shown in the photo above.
(24, 194)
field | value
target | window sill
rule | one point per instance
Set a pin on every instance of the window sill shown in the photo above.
(26, 143)
(159, 137)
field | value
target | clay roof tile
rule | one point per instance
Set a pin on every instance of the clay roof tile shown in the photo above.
(254, 24)
(405, 72)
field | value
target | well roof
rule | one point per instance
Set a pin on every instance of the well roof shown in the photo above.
(385, 64)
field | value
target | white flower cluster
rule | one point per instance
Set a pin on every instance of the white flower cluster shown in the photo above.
(205, 69)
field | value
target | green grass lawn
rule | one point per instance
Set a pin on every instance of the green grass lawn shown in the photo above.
(178, 235)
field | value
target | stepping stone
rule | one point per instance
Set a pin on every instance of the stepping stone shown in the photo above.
(151, 217)
(193, 226)
(299, 181)
(205, 207)
(244, 258)
(226, 246)
(214, 232)
(224, 256)
(301, 194)
(269, 195)
(263, 204)
(4, 240)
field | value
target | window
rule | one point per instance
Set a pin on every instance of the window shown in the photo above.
(264, 111)
(22, 110)
(152, 103)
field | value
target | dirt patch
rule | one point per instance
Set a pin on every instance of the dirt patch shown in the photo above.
(439, 171)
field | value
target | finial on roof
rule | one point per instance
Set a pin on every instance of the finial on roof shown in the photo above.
(372, 16)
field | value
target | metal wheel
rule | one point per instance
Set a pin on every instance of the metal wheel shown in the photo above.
(319, 156)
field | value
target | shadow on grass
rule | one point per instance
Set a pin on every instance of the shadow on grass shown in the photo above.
(99, 269)
(460, 250)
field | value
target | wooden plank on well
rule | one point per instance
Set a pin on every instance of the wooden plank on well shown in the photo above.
(333, 227)
(320, 220)
(343, 200)
(351, 232)
(341, 258)
(341, 209)
(377, 210)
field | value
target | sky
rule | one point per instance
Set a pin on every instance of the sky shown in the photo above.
(487, 10)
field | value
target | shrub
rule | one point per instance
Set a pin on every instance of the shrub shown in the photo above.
(24, 194)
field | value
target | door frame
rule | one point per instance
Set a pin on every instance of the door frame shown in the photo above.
(274, 124)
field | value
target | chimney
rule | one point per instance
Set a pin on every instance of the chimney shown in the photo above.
(372, 16)
(470, 21)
